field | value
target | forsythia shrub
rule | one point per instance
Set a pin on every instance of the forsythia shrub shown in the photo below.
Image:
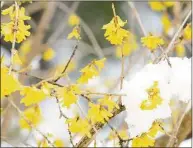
(146, 96)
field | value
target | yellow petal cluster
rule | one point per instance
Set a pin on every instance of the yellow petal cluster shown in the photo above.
(91, 70)
(32, 96)
(97, 113)
(33, 117)
(127, 47)
(188, 32)
(166, 23)
(9, 82)
(160, 6)
(15, 26)
(73, 20)
(48, 54)
(180, 50)
(68, 94)
(147, 139)
(154, 98)
(78, 125)
(75, 33)
(114, 32)
(152, 42)
(108, 102)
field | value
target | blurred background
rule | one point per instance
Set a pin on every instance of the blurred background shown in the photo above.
(50, 26)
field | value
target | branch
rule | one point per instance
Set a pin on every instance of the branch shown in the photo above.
(182, 134)
(87, 30)
(29, 123)
(170, 46)
(70, 59)
(172, 139)
(85, 141)
(137, 17)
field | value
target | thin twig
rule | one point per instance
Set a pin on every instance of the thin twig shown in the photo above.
(2, 3)
(176, 129)
(87, 30)
(102, 94)
(170, 46)
(64, 116)
(137, 17)
(85, 141)
(29, 123)
(62, 25)
(70, 59)
(15, 29)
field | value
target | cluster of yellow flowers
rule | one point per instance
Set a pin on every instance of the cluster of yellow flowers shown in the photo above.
(97, 113)
(44, 143)
(154, 98)
(116, 35)
(16, 28)
(160, 6)
(152, 42)
(91, 70)
(148, 139)
(74, 20)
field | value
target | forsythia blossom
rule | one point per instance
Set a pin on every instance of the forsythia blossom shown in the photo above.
(188, 32)
(75, 33)
(16, 25)
(169, 83)
(48, 54)
(9, 82)
(91, 70)
(152, 42)
(127, 47)
(73, 20)
(33, 117)
(147, 139)
(114, 32)
(160, 6)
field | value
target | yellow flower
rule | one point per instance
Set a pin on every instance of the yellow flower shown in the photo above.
(166, 23)
(156, 127)
(114, 33)
(68, 94)
(157, 6)
(32, 95)
(20, 29)
(73, 20)
(108, 102)
(21, 15)
(9, 83)
(147, 139)
(48, 54)
(160, 6)
(24, 49)
(7, 30)
(91, 70)
(152, 42)
(123, 134)
(9, 10)
(128, 46)
(168, 4)
(143, 141)
(188, 32)
(154, 98)
(32, 115)
(75, 33)
(58, 143)
(97, 113)
(180, 50)
(78, 125)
